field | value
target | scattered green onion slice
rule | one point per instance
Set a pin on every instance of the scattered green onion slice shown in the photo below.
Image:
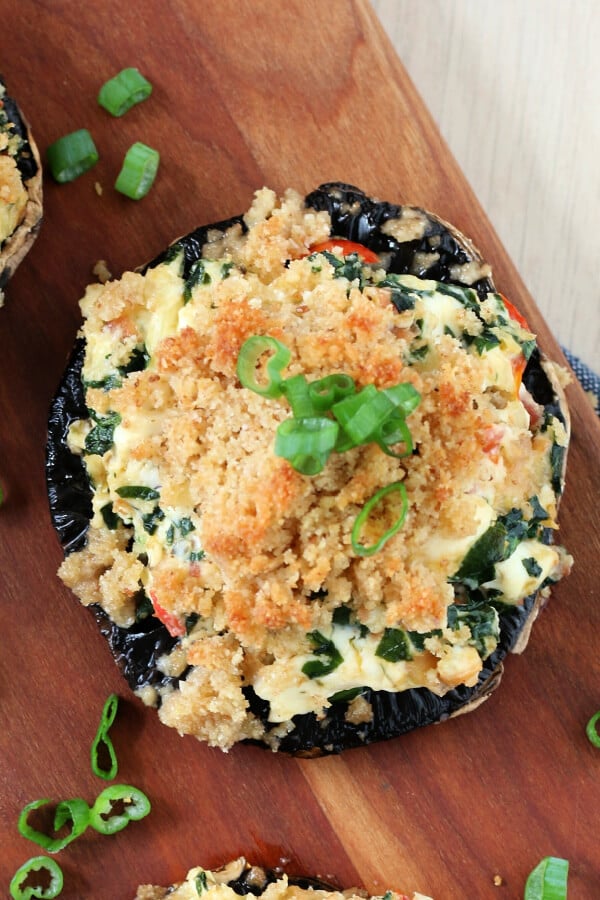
(102, 738)
(138, 172)
(365, 512)
(136, 805)
(249, 355)
(329, 390)
(404, 396)
(394, 431)
(37, 864)
(72, 155)
(548, 881)
(361, 414)
(76, 811)
(296, 392)
(306, 443)
(592, 730)
(120, 93)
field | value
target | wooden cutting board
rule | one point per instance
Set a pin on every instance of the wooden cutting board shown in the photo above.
(247, 94)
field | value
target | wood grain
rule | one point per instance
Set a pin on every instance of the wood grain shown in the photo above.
(248, 94)
(511, 86)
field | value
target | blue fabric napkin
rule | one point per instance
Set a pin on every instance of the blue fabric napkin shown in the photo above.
(589, 380)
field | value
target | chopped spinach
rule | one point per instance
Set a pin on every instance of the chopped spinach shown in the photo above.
(137, 492)
(190, 621)
(137, 362)
(106, 384)
(151, 520)
(100, 439)
(144, 607)
(557, 457)
(394, 645)
(185, 525)
(481, 618)
(197, 555)
(494, 545)
(350, 267)
(532, 566)
(201, 883)
(402, 296)
(346, 696)
(197, 275)
(110, 517)
(322, 646)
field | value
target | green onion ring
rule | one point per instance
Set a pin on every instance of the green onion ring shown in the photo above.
(251, 351)
(137, 805)
(306, 443)
(329, 390)
(76, 810)
(548, 881)
(363, 515)
(296, 392)
(404, 396)
(138, 171)
(72, 155)
(107, 717)
(37, 864)
(119, 94)
(360, 415)
(592, 730)
(394, 431)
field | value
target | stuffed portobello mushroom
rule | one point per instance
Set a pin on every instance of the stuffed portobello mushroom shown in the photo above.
(238, 878)
(20, 187)
(305, 467)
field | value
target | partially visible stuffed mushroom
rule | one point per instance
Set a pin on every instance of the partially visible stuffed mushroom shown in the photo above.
(238, 878)
(20, 187)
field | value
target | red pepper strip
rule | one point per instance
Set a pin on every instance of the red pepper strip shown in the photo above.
(347, 247)
(514, 313)
(172, 623)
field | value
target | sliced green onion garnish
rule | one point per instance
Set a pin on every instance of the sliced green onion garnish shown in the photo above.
(306, 443)
(404, 396)
(139, 171)
(123, 91)
(249, 355)
(135, 804)
(296, 392)
(392, 432)
(365, 512)
(102, 739)
(592, 730)
(24, 872)
(548, 881)
(360, 415)
(72, 155)
(76, 811)
(329, 390)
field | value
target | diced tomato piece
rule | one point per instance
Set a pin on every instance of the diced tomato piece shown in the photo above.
(172, 623)
(347, 247)
(514, 313)
(490, 440)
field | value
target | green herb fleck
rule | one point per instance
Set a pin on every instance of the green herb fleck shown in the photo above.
(100, 439)
(394, 646)
(137, 492)
(532, 566)
(322, 646)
